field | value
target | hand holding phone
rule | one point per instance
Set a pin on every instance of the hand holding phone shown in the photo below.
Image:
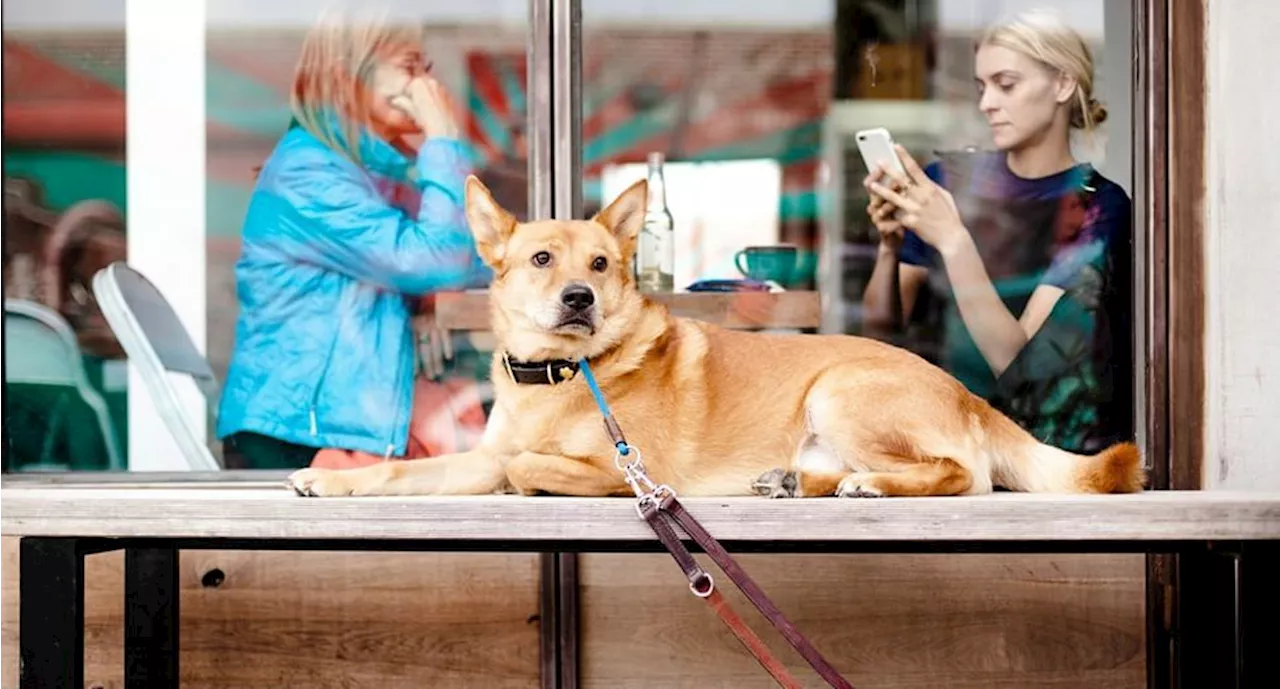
(878, 154)
(876, 147)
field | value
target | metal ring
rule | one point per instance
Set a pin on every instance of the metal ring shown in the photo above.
(617, 457)
(711, 585)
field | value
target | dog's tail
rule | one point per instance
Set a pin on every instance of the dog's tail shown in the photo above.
(1022, 463)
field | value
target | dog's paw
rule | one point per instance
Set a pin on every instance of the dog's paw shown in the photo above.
(320, 483)
(858, 486)
(776, 483)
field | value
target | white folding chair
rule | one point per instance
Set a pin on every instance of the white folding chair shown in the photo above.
(155, 340)
(41, 349)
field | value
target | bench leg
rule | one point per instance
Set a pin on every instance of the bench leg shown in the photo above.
(51, 613)
(559, 620)
(1226, 599)
(1260, 608)
(151, 617)
(569, 620)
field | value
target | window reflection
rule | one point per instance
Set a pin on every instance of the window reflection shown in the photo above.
(64, 219)
(756, 108)
(356, 132)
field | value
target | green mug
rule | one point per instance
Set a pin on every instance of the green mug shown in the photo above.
(765, 263)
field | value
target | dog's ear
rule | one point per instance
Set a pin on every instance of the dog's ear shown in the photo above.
(490, 223)
(625, 216)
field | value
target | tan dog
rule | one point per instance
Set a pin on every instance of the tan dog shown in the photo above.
(713, 411)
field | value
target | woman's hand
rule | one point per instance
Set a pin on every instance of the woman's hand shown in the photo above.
(429, 105)
(884, 215)
(927, 208)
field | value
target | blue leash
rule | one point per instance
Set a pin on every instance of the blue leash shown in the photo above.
(610, 424)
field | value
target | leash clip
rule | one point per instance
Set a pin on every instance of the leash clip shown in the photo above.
(633, 472)
(647, 492)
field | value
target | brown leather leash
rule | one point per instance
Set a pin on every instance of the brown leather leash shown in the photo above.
(658, 505)
(703, 586)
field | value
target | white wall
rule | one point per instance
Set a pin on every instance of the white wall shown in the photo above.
(1243, 246)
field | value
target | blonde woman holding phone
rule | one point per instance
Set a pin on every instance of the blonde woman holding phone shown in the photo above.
(1024, 251)
(356, 214)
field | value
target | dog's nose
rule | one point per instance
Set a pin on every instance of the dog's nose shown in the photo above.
(577, 297)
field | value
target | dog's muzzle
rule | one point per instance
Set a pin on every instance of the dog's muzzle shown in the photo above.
(577, 308)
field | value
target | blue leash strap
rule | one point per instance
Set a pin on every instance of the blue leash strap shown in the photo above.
(610, 424)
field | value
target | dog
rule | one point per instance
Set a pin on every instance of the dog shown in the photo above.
(712, 411)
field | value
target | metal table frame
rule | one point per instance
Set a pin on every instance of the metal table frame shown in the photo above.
(1224, 593)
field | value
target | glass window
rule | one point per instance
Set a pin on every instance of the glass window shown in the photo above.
(64, 218)
(1018, 112)
(296, 220)
(752, 108)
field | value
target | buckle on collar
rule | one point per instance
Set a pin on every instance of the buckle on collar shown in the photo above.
(539, 373)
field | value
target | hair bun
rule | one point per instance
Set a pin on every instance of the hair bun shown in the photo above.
(1097, 112)
(1097, 115)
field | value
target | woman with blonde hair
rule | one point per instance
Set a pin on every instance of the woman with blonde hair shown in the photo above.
(1023, 251)
(350, 222)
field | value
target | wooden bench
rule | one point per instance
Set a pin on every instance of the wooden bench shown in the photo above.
(1225, 546)
(1224, 543)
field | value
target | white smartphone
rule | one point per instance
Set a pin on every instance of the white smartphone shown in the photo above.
(876, 147)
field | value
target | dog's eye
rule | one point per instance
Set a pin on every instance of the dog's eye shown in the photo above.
(542, 259)
(600, 264)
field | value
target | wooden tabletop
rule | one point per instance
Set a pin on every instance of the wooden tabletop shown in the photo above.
(270, 511)
(744, 310)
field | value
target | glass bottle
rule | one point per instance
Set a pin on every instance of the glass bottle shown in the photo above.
(655, 254)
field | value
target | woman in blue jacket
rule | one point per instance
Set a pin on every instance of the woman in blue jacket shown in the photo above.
(348, 225)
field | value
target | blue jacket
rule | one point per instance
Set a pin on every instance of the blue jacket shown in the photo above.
(324, 351)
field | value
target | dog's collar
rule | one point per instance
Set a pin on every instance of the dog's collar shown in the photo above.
(540, 372)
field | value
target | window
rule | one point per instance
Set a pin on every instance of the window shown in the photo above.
(755, 108)
(210, 102)
(65, 204)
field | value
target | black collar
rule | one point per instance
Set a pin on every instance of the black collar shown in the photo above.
(540, 372)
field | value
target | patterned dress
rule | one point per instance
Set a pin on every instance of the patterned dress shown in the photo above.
(1071, 385)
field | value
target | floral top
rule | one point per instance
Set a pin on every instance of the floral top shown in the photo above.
(1071, 385)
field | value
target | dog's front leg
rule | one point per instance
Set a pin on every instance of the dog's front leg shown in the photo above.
(530, 473)
(477, 472)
